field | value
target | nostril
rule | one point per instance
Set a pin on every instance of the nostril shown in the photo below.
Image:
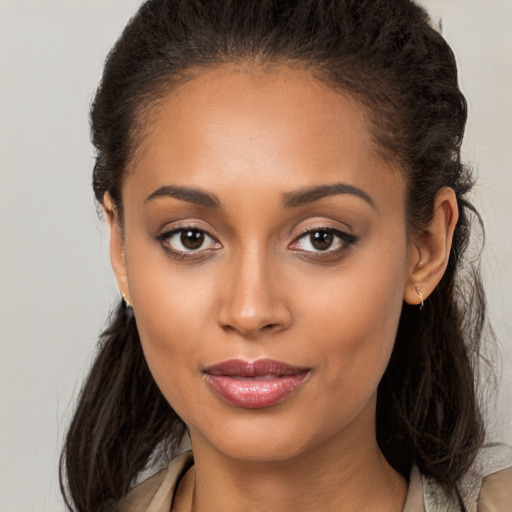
(251, 327)
(246, 329)
(253, 310)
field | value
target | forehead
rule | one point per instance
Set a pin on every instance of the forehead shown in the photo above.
(276, 127)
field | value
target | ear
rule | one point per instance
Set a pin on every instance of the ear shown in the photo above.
(117, 255)
(430, 248)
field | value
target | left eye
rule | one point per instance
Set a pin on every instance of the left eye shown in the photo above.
(322, 240)
(187, 240)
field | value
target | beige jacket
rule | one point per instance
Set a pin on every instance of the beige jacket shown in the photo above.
(487, 487)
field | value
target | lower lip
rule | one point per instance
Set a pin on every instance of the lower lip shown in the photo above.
(255, 392)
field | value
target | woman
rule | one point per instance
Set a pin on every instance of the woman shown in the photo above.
(289, 215)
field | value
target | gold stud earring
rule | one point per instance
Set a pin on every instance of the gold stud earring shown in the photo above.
(126, 300)
(418, 290)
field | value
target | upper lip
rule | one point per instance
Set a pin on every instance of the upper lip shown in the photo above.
(258, 368)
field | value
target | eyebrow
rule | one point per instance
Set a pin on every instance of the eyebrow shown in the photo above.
(311, 194)
(191, 195)
(290, 199)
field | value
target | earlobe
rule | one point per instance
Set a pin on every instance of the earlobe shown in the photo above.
(430, 248)
(117, 257)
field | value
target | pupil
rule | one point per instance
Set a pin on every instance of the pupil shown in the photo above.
(321, 240)
(192, 239)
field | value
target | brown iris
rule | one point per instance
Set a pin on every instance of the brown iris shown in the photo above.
(321, 240)
(192, 239)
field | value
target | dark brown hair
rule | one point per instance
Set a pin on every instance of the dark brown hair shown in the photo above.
(385, 54)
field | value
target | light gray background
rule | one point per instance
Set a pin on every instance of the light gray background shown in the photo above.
(55, 281)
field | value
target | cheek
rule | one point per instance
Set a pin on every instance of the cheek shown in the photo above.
(174, 310)
(356, 316)
(170, 330)
(167, 295)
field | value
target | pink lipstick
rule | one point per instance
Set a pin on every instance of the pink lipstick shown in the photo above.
(259, 384)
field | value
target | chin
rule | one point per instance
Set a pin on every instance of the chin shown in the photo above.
(261, 437)
(261, 450)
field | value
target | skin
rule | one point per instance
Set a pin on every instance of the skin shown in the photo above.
(258, 288)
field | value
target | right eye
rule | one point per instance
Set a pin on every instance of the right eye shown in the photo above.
(185, 241)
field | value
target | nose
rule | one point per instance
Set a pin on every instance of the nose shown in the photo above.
(254, 300)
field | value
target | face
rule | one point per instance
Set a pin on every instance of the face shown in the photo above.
(261, 226)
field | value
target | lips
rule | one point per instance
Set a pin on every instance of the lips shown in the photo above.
(254, 385)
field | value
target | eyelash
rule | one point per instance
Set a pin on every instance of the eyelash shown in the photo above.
(345, 239)
(181, 255)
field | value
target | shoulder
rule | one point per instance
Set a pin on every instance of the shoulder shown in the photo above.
(496, 492)
(486, 487)
(156, 493)
(495, 465)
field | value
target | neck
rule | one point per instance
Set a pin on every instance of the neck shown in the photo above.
(350, 474)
